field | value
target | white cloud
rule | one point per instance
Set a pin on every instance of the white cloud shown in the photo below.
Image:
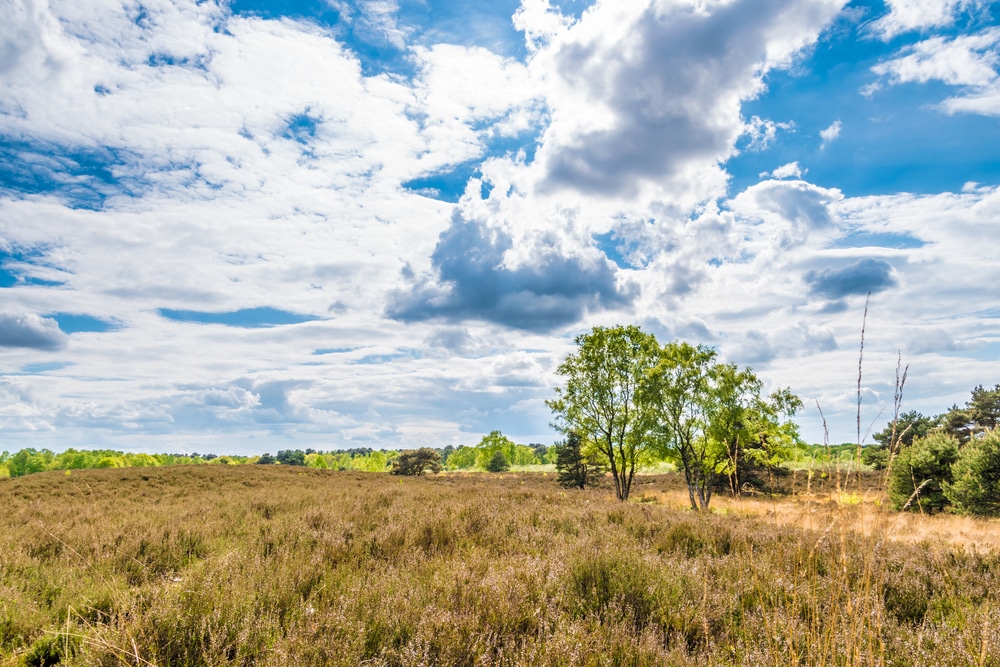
(830, 133)
(790, 170)
(907, 15)
(969, 62)
(762, 133)
(646, 96)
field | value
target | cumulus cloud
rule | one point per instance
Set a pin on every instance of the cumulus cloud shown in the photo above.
(790, 170)
(474, 280)
(860, 277)
(662, 86)
(785, 213)
(30, 331)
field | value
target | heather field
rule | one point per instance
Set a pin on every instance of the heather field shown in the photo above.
(287, 565)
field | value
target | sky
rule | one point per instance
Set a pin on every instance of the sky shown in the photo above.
(239, 227)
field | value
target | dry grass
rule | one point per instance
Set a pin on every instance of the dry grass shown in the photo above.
(861, 513)
(265, 565)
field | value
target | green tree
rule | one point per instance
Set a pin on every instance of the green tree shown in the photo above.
(416, 462)
(498, 462)
(571, 462)
(919, 472)
(291, 457)
(29, 460)
(711, 419)
(679, 395)
(495, 441)
(756, 432)
(600, 398)
(908, 427)
(897, 434)
(985, 407)
(980, 414)
(975, 488)
(462, 458)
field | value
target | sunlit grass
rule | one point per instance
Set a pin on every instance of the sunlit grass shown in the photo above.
(275, 565)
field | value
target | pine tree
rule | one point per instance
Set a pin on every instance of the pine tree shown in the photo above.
(571, 463)
(498, 463)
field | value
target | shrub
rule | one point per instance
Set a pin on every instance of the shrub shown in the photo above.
(415, 462)
(976, 474)
(498, 462)
(920, 470)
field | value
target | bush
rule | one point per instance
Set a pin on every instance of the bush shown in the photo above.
(919, 472)
(498, 463)
(415, 462)
(976, 474)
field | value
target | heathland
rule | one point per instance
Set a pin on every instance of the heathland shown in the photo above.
(281, 565)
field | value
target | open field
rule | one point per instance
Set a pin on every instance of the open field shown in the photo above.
(276, 565)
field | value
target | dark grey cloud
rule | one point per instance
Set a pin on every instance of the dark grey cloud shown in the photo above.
(673, 90)
(31, 331)
(473, 283)
(860, 277)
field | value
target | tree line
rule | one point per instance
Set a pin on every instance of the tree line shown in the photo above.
(494, 452)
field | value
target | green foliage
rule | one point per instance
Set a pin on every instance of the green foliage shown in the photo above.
(462, 458)
(49, 650)
(636, 402)
(266, 459)
(498, 462)
(918, 474)
(291, 457)
(378, 461)
(711, 420)
(29, 461)
(571, 462)
(980, 414)
(975, 488)
(876, 457)
(416, 462)
(600, 398)
(495, 441)
(907, 427)
(679, 392)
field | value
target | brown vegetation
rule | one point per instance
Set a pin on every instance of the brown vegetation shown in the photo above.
(275, 565)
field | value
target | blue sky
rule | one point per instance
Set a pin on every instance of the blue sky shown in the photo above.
(248, 226)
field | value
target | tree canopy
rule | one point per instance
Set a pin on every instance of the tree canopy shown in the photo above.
(600, 400)
(635, 402)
